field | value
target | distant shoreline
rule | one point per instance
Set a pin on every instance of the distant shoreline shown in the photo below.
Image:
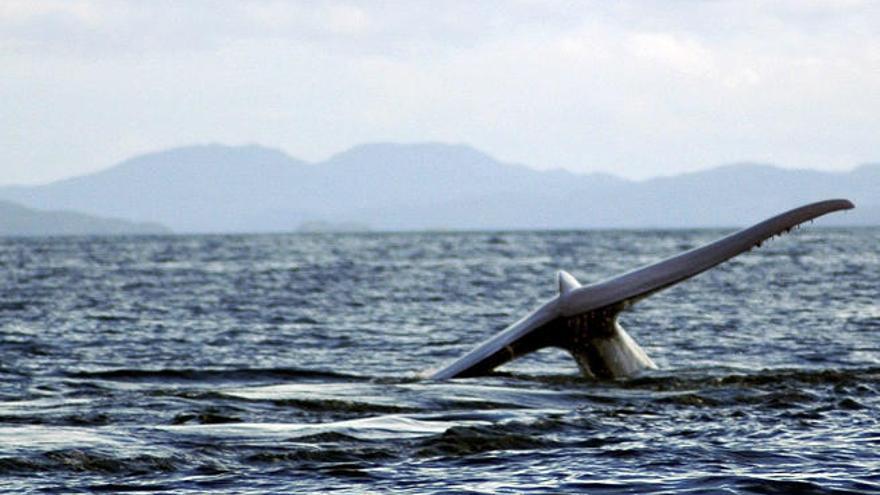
(392, 187)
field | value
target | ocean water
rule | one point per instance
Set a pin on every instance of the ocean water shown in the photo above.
(291, 363)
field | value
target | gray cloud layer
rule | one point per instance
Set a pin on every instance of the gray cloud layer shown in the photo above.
(635, 88)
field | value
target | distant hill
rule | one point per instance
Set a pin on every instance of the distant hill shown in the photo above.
(192, 189)
(215, 188)
(18, 220)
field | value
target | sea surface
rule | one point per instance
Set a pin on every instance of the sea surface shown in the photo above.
(292, 364)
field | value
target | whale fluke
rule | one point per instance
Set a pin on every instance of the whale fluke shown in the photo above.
(583, 319)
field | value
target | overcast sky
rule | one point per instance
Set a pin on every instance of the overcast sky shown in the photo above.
(634, 88)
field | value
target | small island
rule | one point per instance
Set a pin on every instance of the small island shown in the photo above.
(321, 226)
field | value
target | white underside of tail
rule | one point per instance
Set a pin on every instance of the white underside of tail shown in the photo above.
(619, 354)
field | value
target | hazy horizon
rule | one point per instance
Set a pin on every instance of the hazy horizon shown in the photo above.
(386, 186)
(635, 88)
(528, 165)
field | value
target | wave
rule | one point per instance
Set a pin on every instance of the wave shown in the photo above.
(211, 374)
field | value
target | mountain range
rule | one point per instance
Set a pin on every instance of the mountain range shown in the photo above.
(217, 188)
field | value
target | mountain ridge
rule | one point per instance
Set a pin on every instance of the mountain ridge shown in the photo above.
(416, 186)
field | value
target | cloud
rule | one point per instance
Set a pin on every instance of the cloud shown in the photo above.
(22, 11)
(638, 88)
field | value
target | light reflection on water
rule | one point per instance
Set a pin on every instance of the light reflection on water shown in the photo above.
(291, 363)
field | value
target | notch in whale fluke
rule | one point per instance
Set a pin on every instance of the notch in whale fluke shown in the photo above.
(583, 319)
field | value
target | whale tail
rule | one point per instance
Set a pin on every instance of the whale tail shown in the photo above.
(583, 319)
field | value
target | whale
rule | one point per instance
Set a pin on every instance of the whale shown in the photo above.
(583, 319)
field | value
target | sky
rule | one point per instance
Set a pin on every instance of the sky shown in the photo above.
(633, 88)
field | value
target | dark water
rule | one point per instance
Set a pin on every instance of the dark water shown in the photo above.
(257, 364)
